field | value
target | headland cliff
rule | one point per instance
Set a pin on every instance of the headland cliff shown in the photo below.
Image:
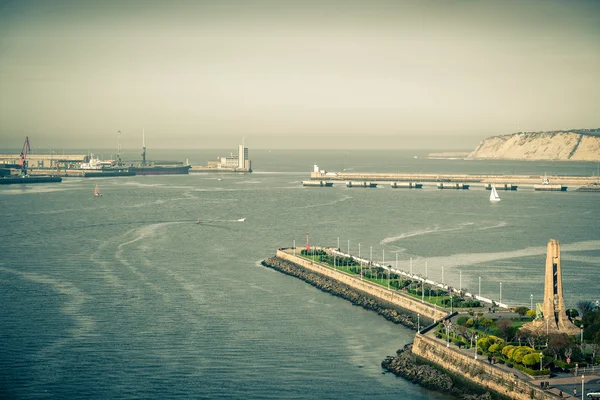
(567, 145)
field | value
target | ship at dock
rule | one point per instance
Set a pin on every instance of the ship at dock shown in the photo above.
(145, 167)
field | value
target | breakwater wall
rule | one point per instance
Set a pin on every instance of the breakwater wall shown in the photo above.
(339, 289)
(393, 297)
(479, 371)
(461, 178)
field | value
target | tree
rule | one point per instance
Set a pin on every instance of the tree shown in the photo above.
(530, 313)
(585, 305)
(572, 313)
(521, 352)
(505, 328)
(507, 348)
(496, 348)
(557, 343)
(521, 311)
(531, 359)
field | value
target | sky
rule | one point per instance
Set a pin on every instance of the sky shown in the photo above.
(295, 74)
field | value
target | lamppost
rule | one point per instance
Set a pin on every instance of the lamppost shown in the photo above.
(426, 274)
(338, 248)
(531, 299)
(582, 335)
(476, 346)
(371, 256)
(422, 290)
(418, 323)
(359, 251)
(500, 293)
(541, 359)
(582, 387)
(447, 334)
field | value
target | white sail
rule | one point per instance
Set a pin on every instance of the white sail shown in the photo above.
(494, 195)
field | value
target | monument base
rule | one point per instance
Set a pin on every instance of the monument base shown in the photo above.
(539, 328)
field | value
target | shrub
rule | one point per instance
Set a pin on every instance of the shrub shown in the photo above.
(506, 349)
(531, 359)
(462, 320)
(495, 348)
(521, 310)
(530, 313)
(521, 352)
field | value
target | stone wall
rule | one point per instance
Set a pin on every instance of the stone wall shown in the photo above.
(391, 296)
(477, 371)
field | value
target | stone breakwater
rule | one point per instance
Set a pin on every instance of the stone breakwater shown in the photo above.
(344, 291)
(405, 364)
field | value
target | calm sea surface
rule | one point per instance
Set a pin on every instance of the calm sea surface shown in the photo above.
(125, 296)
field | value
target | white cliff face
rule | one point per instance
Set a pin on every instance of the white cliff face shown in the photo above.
(557, 145)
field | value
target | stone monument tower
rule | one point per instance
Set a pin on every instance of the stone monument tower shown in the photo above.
(554, 311)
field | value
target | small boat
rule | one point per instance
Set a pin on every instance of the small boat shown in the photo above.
(494, 197)
(241, 220)
(198, 221)
(97, 191)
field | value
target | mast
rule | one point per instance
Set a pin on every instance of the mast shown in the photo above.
(119, 150)
(143, 148)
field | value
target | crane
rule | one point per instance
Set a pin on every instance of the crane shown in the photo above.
(23, 155)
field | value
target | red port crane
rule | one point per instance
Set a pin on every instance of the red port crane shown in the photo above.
(23, 155)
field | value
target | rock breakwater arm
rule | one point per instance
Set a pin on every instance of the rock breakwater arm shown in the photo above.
(342, 290)
(405, 364)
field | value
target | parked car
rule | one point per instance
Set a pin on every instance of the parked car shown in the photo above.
(593, 395)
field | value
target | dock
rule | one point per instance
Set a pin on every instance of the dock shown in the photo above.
(29, 179)
(500, 186)
(406, 185)
(361, 184)
(459, 186)
(550, 188)
(317, 183)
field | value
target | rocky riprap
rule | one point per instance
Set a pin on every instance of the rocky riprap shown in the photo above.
(405, 364)
(342, 290)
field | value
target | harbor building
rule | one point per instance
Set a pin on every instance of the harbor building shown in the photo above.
(233, 162)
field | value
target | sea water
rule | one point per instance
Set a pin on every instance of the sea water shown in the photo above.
(126, 296)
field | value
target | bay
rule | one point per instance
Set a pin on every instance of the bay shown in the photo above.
(125, 296)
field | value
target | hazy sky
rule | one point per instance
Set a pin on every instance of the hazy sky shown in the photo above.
(344, 74)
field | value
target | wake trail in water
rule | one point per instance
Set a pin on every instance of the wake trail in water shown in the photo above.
(421, 232)
(72, 307)
(341, 199)
(470, 259)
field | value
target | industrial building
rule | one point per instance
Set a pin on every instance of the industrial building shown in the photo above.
(236, 162)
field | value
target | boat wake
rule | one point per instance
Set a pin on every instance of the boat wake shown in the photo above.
(421, 232)
(471, 259)
(341, 199)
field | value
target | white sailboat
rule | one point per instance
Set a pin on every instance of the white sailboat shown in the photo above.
(494, 197)
(97, 191)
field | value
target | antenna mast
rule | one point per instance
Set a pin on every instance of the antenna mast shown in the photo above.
(119, 150)
(143, 148)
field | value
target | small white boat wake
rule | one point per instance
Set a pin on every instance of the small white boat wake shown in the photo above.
(223, 220)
